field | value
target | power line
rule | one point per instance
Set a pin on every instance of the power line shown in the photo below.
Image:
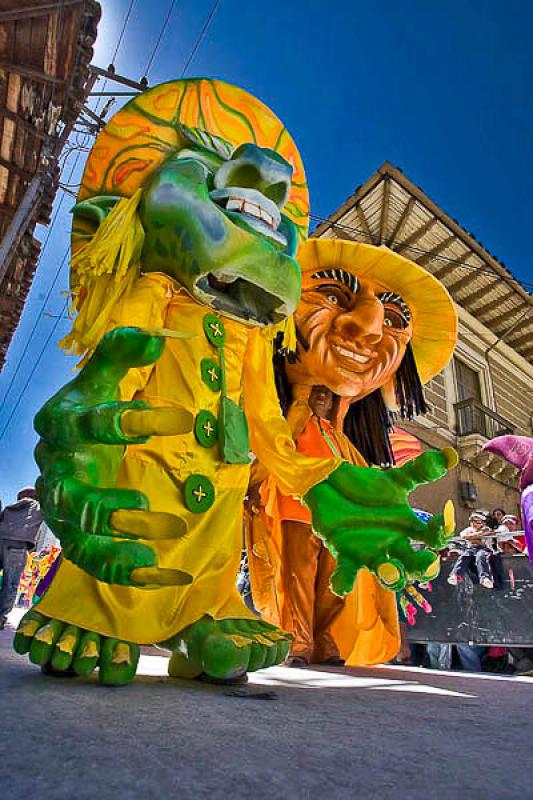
(32, 371)
(46, 299)
(421, 251)
(159, 38)
(200, 38)
(117, 46)
(30, 337)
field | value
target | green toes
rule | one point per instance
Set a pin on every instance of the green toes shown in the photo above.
(65, 647)
(87, 654)
(224, 649)
(61, 648)
(28, 627)
(118, 662)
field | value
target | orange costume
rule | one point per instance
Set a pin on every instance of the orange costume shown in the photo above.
(290, 569)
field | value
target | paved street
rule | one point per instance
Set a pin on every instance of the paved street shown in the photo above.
(384, 733)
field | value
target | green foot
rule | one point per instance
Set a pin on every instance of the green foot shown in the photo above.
(226, 649)
(62, 648)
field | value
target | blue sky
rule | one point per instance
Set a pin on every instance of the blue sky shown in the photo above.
(442, 90)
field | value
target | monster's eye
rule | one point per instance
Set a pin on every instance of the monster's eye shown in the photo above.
(333, 299)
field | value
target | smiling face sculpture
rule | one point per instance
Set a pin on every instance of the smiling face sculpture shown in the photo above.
(362, 308)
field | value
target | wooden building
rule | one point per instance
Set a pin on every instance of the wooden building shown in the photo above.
(45, 51)
(487, 389)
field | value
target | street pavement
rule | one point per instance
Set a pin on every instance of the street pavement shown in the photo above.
(351, 734)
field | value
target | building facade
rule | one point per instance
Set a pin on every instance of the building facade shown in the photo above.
(487, 389)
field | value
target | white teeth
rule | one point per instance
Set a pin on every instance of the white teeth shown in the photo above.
(252, 209)
(234, 204)
(360, 359)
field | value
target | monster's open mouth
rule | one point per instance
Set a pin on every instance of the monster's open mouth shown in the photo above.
(238, 298)
(252, 209)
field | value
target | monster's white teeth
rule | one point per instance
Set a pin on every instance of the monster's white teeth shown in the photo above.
(252, 209)
(360, 359)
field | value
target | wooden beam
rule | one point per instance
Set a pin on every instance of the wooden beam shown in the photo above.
(18, 120)
(485, 309)
(520, 340)
(466, 280)
(16, 169)
(384, 210)
(510, 314)
(416, 235)
(364, 222)
(34, 74)
(483, 291)
(36, 11)
(425, 259)
(401, 222)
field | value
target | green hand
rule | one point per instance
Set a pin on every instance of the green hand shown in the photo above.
(84, 429)
(364, 518)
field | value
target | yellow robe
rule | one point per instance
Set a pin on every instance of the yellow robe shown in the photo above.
(211, 549)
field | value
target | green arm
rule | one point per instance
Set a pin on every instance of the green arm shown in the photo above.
(364, 518)
(84, 430)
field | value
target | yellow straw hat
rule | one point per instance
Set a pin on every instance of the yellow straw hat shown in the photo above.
(145, 132)
(136, 141)
(433, 312)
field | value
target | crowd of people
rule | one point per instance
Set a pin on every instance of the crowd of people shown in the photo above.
(476, 552)
(28, 551)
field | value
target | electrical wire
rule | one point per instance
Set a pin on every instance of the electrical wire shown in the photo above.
(200, 38)
(48, 295)
(159, 38)
(32, 371)
(421, 251)
(117, 48)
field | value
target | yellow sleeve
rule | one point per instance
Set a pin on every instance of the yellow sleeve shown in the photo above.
(144, 306)
(270, 434)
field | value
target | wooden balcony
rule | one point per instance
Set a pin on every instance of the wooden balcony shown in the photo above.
(472, 417)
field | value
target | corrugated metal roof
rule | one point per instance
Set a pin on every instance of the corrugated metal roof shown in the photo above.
(390, 210)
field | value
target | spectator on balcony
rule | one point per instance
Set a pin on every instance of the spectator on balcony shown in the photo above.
(475, 556)
(498, 514)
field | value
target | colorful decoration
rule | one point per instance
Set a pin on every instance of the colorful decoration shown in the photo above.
(38, 565)
(518, 451)
(358, 337)
(192, 208)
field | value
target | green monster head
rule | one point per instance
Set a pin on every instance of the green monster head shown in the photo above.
(212, 211)
(212, 219)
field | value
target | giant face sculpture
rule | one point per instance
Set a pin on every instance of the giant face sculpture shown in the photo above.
(352, 332)
(360, 307)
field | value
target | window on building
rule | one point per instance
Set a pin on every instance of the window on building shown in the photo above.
(468, 415)
(467, 382)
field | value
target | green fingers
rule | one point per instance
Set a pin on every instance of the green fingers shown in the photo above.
(62, 648)
(364, 518)
(84, 429)
(120, 350)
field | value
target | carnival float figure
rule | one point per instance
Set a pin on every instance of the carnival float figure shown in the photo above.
(518, 451)
(191, 210)
(371, 328)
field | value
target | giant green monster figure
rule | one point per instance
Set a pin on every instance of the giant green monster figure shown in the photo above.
(190, 213)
